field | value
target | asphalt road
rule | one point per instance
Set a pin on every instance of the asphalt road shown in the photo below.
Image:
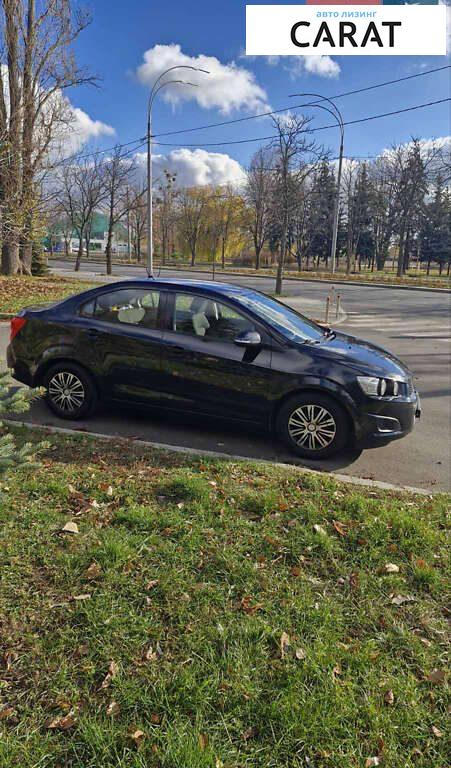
(415, 325)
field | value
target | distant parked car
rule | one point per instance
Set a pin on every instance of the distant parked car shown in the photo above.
(215, 350)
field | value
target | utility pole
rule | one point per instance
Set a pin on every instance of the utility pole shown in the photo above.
(156, 88)
(336, 114)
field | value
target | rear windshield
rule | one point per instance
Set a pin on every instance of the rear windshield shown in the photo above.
(286, 321)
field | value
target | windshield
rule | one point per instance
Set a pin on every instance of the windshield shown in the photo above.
(285, 320)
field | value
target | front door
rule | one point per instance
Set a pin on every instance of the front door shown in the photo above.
(204, 370)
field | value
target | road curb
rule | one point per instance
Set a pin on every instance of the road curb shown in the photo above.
(349, 479)
(326, 281)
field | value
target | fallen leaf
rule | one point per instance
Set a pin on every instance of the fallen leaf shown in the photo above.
(152, 583)
(300, 654)
(391, 568)
(109, 491)
(86, 596)
(437, 732)
(95, 504)
(436, 676)
(113, 708)
(203, 741)
(137, 736)
(62, 723)
(249, 608)
(401, 599)
(389, 697)
(339, 527)
(296, 571)
(249, 733)
(336, 672)
(370, 761)
(319, 529)
(155, 718)
(150, 654)
(70, 527)
(113, 669)
(93, 571)
(6, 713)
(284, 644)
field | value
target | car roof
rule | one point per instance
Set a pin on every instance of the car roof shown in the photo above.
(225, 289)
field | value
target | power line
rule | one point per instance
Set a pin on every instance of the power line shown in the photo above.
(308, 130)
(296, 106)
(142, 139)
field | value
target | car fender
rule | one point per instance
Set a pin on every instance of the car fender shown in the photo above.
(325, 386)
(52, 355)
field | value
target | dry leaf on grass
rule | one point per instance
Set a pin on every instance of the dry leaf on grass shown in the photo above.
(7, 712)
(284, 644)
(70, 527)
(437, 732)
(391, 568)
(370, 761)
(152, 583)
(389, 697)
(137, 736)
(401, 599)
(62, 723)
(93, 571)
(436, 676)
(80, 598)
(113, 708)
(113, 669)
(300, 654)
(203, 741)
(339, 527)
(319, 529)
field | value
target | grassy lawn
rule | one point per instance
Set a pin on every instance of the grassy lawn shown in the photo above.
(204, 614)
(18, 292)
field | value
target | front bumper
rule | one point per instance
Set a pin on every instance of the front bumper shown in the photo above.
(385, 420)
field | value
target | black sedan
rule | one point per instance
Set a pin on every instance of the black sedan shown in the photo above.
(219, 351)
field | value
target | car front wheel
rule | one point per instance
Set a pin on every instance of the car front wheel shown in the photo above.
(313, 426)
(70, 391)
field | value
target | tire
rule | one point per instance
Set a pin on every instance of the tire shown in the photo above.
(297, 417)
(70, 391)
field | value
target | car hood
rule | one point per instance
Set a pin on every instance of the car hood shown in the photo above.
(362, 355)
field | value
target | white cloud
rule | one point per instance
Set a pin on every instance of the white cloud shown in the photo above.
(228, 87)
(296, 66)
(83, 128)
(197, 167)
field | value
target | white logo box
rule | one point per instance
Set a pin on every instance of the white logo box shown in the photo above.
(418, 30)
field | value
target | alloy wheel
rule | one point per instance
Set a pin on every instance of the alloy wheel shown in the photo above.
(312, 427)
(66, 391)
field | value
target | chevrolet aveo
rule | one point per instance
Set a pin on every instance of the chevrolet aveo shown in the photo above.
(215, 350)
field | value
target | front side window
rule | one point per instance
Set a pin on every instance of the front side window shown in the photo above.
(208, 318)
(286, 321)
(133, 306)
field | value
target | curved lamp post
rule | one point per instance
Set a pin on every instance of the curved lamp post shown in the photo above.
(339, 119)
(156, 88)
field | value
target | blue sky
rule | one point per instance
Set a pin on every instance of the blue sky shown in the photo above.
(114, 45)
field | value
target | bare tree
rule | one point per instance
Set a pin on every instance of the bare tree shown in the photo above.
(258, 196)
(192, 203)
(138, 217)
(295, 155)
(165, 210)
(117, 172)
(82, 190)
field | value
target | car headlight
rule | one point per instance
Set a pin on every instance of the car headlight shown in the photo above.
(376, 387)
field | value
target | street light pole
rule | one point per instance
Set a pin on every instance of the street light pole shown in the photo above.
(339, 119)
(157, 86)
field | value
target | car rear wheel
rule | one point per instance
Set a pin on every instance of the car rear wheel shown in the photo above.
(71, 392)
(313, 426)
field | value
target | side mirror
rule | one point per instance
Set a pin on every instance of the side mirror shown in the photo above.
(248, 339)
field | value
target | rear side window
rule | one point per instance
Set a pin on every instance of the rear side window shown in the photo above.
(133, 306)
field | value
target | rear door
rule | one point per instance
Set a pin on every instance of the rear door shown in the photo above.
(124, 330)
(203, 370)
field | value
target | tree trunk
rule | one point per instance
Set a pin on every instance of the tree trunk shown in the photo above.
(109, 261)
(10, 257)
(79, 253)
(26, 255)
